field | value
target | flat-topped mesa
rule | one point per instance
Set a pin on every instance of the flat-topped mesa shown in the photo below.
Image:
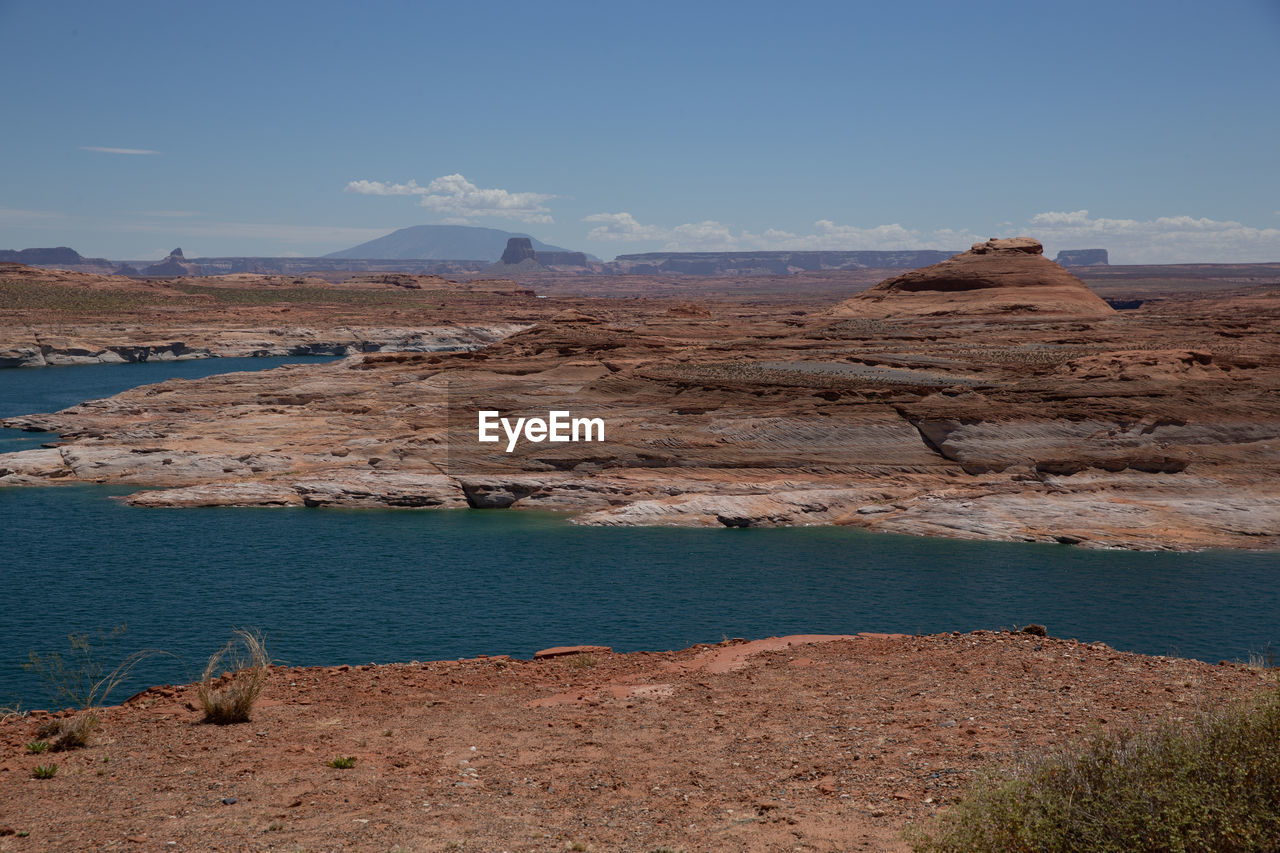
(1083, 258)
(518, 249)
(1001, 276)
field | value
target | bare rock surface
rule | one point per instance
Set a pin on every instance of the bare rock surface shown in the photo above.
(1149, 429)
(811, 742)
(63, 318)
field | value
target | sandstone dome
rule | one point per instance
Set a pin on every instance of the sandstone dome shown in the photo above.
(1010, 276)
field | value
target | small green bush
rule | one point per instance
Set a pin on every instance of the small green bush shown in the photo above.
(44, 771)
(37, 746)
(1211, 785)
(342, 762)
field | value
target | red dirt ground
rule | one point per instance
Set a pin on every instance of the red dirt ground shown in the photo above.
(800, 743)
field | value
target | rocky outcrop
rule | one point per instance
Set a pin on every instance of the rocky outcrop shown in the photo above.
(518, 249)
(67, 353)
(1148, 429)
(562, 259)
(573, 315)
(1083, 258)
(295, 341)
(998, 277)
(172, 266)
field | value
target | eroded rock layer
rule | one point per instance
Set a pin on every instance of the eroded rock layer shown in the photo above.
(1155, 428)
(995, 278)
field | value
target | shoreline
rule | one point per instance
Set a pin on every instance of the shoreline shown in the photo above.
(1151, 429)
(278, 343)
(275, 496)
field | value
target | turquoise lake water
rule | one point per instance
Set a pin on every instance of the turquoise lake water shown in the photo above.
(357, 586)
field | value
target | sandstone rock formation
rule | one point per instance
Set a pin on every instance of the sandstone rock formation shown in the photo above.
(562, 259)
(174, 265)
(518, 258)
(998, 277)
(1083, 258)
(1154, 428)
(57, 317)
(518, 249)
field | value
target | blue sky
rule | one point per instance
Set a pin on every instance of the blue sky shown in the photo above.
(1148, 127)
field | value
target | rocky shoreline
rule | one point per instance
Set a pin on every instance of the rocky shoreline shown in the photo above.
(97, 347)
(989, 416)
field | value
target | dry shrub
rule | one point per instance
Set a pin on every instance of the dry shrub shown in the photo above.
(71, 733)
(1209, 785)
(582, 660)
(244, 664)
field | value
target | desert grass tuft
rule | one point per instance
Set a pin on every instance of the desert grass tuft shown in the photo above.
(44, 771)
(80, 675)
(1264, 660)
(244, 664)
(71, 733)
(342, 762)
(1208, 785)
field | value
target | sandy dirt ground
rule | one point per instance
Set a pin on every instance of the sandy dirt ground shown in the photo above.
(799, 743)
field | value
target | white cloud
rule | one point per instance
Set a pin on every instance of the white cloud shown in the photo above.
(462, 200)
(704, 236)
(1164, 240)
(622, 227)
(102, 150)
(826, 235)
(383, 188)
(829, 236)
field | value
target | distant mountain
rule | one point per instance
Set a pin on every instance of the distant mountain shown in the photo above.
(440, 242)
(47, 257)
(58, 257)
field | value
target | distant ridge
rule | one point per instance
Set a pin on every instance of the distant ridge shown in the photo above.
(440, 242)
(60, 255)
(1083, 258)
(778, 263)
